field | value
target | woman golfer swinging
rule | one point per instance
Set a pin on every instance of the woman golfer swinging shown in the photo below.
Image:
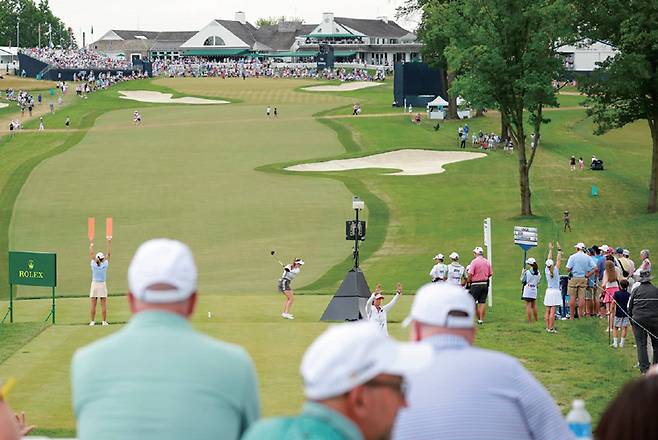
(290, 271)
(99, 264)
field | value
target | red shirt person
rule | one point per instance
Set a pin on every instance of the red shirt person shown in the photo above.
(479, 272)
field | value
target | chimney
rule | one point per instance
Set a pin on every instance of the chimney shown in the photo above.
(241, 17)
(383, 18)
(327, 17)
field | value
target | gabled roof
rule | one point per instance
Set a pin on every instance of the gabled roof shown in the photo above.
(245, 32)
(278, 37)
(176, 35)
(171, 41)
(133, 35)
(373, 28)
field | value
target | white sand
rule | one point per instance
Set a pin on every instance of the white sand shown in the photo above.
(344, 87)
(3, 105)
(411, 162)
(165, 98)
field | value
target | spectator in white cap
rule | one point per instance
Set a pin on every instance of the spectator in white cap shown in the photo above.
(581, 267)
(378, 313)
(643, 310)
(468, 393)
(354, 383)
(455, 270)
(626, 257)
(157, 377)
(479, 272)
(646, 263)
(439, 271)
(530, 278)
(98, 289)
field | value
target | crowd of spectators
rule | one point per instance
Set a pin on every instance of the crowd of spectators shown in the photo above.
(254, 68)
(76, 58)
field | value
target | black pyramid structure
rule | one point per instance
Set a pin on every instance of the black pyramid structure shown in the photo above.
(348, 304)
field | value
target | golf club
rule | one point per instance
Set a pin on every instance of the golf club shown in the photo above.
(275, 258)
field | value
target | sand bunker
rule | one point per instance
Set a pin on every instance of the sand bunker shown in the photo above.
(165, 98)
(3, 105)
(344, 87)
(411, 162)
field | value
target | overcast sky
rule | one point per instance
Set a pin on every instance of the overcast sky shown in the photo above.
(189, 15)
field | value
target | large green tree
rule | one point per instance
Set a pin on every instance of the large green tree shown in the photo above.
(435, 40)
(506, 51)
(34, 21)
(624, 88)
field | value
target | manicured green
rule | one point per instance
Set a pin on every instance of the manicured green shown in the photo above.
(213, 176)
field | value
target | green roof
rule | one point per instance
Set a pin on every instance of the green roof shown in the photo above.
(305, 53)
(299, 53)
(214, 52)
(332, 35)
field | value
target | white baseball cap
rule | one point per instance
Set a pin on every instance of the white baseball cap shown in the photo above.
(454, 256)
(299, 261)
(162, 261)
(378, 296)
(580, 245)
(549, 262)
(438, 257)
(603, 247)
(626, 253)
(100, 256)
(348, 355)
(478, 250)
(435, 301)
(530, 261)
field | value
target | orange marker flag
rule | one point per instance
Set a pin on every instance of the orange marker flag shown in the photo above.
(91, 228)
(108, 228)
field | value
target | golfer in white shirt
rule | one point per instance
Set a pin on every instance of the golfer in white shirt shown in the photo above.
(376, 312)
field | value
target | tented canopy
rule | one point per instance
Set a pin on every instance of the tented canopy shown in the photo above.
(437, 102)
(442, 102)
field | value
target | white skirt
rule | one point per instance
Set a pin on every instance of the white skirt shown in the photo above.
(553, 297)
(98, 289)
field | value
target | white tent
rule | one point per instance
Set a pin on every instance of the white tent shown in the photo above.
(438, 102)
(436, 108)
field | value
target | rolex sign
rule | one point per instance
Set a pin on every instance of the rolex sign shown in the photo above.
(33, 269)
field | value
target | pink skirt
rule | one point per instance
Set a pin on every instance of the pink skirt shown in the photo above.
(609, 293)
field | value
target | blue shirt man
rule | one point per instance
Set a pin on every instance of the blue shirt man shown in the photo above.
(580, 264)
(157, 378)
(467, 392)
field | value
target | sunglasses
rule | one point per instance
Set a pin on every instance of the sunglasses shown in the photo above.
(400, 387)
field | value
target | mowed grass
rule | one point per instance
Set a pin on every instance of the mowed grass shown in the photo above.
(412, 218)
(188, 172)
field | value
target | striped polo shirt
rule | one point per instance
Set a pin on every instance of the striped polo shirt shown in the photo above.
(471, 393)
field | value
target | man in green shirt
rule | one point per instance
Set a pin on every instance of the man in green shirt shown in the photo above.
(157, 378)
(354, 385)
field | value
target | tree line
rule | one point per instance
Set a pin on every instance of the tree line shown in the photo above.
(502, 55)
(29, 22)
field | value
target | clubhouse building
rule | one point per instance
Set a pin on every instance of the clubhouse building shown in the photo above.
(376, 42)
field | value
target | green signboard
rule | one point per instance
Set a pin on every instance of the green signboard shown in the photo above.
(33, 269)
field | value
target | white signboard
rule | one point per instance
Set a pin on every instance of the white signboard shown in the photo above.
(525, 236)
(487, 231)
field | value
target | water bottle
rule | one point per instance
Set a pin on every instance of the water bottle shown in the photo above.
(579, 420)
